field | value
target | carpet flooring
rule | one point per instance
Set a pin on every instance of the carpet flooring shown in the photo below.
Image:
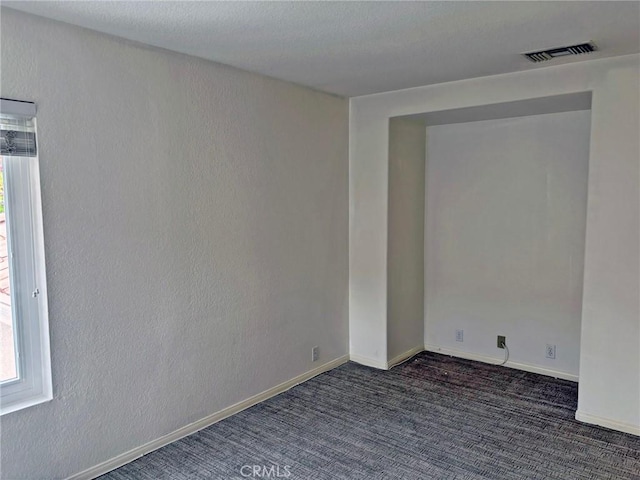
(433, 417)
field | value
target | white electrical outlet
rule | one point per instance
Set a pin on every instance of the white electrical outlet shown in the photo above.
(550, 351)
(315, 354)
(459, 335)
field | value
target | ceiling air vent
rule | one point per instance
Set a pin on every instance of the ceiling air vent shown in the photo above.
(544, 55)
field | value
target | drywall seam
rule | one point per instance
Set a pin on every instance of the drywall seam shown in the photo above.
(496, 361)
(149, 447)
(607, 423)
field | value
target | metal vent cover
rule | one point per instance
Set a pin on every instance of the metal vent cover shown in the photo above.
(551, 53)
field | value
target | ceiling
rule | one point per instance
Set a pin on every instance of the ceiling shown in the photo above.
(358, 48)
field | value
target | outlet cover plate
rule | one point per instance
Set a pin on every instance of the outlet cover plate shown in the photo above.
(459, 335)
(550, 351)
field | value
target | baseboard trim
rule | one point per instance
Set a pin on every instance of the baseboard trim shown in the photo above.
(403, 357)
(495, 360)
(372, 362)
(368, 362)
(608, 423)
(149, 447)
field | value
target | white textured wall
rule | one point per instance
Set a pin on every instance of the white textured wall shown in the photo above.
(368, 202)
(610, 336)
(610, 349)
(405, 287)
(196, 236)
(506, 207)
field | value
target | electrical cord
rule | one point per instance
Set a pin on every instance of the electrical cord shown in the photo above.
(402, 361)
(506, 354)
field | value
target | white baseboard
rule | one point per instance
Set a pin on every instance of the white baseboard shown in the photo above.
(495, 360)
(138, 452)
(368, 362)
(608, 423)
(380, 365)
(404, 356)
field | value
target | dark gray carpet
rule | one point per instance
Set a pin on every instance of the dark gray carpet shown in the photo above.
(434, 417)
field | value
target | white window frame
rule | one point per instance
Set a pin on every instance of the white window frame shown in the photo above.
(29, 307)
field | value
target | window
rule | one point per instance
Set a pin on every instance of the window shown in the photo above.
(25, 364)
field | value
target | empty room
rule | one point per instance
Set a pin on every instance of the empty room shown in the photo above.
(319, 240)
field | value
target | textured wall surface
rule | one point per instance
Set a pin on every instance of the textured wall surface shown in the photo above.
(196, 236)
(506, 208)
(405, 255)
(610, 345)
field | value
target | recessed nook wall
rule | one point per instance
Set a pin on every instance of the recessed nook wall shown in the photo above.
(504, 241)
(609, 393)
(405, 285)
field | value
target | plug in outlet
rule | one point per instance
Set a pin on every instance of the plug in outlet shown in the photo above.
(550, 351)
(501, 341)
(315, 354)
(459, 335)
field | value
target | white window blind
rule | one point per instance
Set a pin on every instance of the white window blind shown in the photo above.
(17, 128)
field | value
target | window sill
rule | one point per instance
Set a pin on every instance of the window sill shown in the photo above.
(24, 403)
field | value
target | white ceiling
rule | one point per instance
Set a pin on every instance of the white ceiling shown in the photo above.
(357, 48)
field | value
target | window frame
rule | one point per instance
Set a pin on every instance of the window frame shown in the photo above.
(27, 275)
